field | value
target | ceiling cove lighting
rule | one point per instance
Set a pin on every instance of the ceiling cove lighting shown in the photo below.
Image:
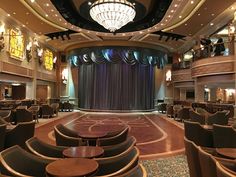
(112, 14)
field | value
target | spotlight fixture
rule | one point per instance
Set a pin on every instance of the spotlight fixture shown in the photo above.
(112, 14)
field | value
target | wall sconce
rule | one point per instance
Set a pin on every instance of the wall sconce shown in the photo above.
(168, 77)
(28, 51)
(2, 42)
(64, 75)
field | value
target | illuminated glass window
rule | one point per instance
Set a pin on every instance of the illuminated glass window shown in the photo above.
(16, 44)
(48, 59)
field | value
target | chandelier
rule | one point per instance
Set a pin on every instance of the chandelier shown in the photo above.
(112, 14)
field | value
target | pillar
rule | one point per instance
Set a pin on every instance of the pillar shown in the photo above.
(199, 91)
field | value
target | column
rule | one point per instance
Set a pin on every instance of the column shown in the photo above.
(213, 94)
(199, 91)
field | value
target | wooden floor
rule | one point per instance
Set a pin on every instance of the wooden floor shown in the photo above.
(157, 136)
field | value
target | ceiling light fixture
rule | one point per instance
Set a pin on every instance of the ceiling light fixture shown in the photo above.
(112, 14)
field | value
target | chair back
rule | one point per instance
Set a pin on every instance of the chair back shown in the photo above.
(191, 151)
(219, 118)
(196, 117)
(47, 110)
(119, 148)
(65, 140)
(5, 115)
(18, 135)
(183, 113)
(44, 150)
(114, 140)
(223, 172)
(196, 133)
(138, 171)
(18, 162)
(115, 166)
(2, 136)
(66, 131)
(207, 163)
(23, 115)
(224, 136)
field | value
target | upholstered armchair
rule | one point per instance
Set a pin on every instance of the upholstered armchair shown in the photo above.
(19, 134)
(68, 106)
(120, 148)
(219, 118)
(115, 139)
(47, 110)
(191, 152)
(2, 135)
(15, 161)
(5, 116)
(65, 140)
(118, 165)
(224, 136)
(196, 117)
(169, 110)
(138, 171)
(199, 135)
(44, 150)
(23, 115)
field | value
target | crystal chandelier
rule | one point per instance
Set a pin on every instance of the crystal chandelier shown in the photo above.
(112, 14)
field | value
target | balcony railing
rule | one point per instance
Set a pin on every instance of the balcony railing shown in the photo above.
(208, 51)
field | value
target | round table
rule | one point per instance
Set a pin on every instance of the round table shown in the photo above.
(71, 167)
(227, 152)
(83, 152)
(91, 137)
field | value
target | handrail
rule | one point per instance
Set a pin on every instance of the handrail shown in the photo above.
(207, 51)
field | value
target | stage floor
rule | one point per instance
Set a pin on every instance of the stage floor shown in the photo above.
(157, 136)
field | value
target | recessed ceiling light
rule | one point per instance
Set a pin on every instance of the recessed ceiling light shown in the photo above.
(211, 24)
(89, 3)
(169, 16)
(212, 14)
(56, 15)
(191, 2)
(232, 8)
(52, 10)
(176, 5)
(14, 13)
(59, 19)
(27, 13)
(32, 1)
(23, 25)
(8, 15)
(180, 16)
(47, 5)
(201, 24)
(46, 15)
(198, 14)
(162, 24)
(172, 11)
(185, 24)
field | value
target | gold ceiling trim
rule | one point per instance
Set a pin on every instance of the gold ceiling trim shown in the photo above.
(41, 17)
(186, 18)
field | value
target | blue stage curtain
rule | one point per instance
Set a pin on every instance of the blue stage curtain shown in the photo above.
(119, 86)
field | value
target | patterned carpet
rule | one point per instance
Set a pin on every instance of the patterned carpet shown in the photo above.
(175, 166)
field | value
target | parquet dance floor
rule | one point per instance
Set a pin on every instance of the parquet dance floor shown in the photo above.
(156, 136)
